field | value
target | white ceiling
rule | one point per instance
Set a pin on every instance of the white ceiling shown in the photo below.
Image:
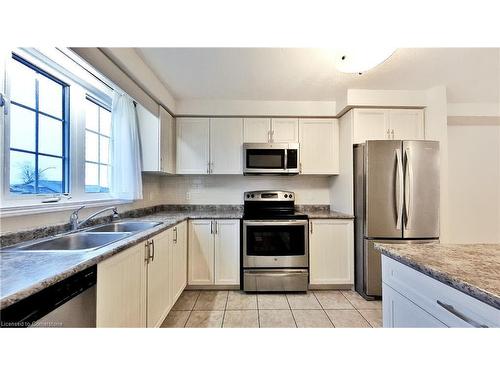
(470, 74)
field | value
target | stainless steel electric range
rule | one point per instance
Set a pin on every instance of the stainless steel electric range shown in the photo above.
(275, 243)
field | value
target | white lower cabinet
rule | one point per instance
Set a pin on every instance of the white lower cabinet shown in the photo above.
(138, 287)
(214, 251)
(413, 299)
(121, 289)
(331, 252)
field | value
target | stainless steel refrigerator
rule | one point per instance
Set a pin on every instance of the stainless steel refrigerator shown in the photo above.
(396, 195)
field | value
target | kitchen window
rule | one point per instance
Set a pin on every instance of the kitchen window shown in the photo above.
(38, 131)
(56, 133)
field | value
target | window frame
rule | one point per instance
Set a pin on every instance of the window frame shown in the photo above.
(81, 84)
(65, 157)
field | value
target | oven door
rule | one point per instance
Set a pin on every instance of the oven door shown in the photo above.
(275, 243)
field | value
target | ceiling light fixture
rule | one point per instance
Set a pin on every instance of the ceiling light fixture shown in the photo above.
(360, 60)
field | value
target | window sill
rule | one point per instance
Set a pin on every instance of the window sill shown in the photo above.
(40, 208)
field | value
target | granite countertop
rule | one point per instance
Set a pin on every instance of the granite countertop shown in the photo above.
(25, 273)
(472, 269)
(322, 212)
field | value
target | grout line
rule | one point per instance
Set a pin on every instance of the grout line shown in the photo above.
(323, 309)
(192, 309)
(225, 307)
(293, 316)
(258, 311)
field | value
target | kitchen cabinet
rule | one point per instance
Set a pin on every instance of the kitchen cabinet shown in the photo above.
(285, 130)
(226, 146)
(121, 289)
(381, 123)
(412, 299)
(319, 146)
(214, 250)
(138, 286)
(179, 259)
(193, 145)
(157, 137)
(278, 130)
(257, 130)
(331, 252)
(159, 278)
(209, 146)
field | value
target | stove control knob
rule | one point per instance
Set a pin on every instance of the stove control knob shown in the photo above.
(286, 195)
(253, 196)
(248, 195)
(290, 196)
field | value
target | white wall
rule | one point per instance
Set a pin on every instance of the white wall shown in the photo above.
(152, 194)
(474, 183)
(229, 189)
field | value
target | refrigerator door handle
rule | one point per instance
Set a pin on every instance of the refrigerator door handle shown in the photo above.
(399, 188)
(408, 184)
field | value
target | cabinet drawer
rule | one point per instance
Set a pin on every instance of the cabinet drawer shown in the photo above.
(450, 306)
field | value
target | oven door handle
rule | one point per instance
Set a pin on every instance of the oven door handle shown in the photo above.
(275, 223)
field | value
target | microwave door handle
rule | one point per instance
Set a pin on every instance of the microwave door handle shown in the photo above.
(286, 160)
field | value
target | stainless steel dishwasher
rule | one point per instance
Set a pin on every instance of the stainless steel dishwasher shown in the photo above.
(70, 303)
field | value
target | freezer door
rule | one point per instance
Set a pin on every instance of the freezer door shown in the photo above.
(421, 189)
(372, 268)
(383, 189)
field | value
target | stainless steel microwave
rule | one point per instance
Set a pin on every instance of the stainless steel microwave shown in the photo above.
(271, 158)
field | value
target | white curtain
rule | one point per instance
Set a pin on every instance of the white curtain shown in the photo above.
(126, 180)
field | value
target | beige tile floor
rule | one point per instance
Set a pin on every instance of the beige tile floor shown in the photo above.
(236, 309)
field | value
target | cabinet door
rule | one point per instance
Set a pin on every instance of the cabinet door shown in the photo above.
(370, 124)
(167, 145)
(159, 293)
(285, 130)
(201, 252)
(406, 124)
(121, 289)
(192, 145)
(227, 252)
(226, 145)
(149, 135)
(400, 312)
(179, 259)
(331, 252)
(257, 130)
(319, 146)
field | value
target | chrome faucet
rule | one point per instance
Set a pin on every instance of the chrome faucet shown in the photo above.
(75, 224)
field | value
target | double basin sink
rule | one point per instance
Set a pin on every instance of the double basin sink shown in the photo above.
(89, 239)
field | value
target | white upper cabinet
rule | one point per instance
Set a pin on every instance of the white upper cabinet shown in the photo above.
(370, 124)
(406, 124)
(226, 146)
(319, 146)
(285, 130)
(157, 137)
(256, 130)
(193, 145)
(381, 123)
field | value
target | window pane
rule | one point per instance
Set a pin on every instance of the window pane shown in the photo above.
(91, 147)
(104, 150)
(91, 116)
(104, 178)
(22, 84)
(91, 178)
(50, 174)
(22, 128)
(22, 172)
(50, 96)
(50, 135)
(105, 122)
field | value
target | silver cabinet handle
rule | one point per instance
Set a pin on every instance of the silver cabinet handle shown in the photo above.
(399, 188)
(460, 315)
(153, 250)
(300, 167)
(175, 238)
(388, 132)
(392, 133)
(211, 227)
(146, 246)
(408, 182)
(311, 225)
(216, 226)
(272, 135)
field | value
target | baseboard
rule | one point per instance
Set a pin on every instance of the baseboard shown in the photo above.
(213, 287)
